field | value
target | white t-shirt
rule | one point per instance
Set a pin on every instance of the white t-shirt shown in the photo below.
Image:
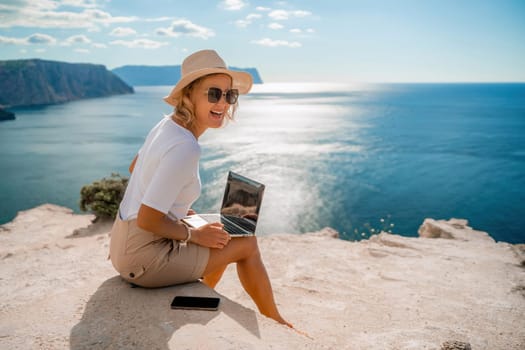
(166, 174)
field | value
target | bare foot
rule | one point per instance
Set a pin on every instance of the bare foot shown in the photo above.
(280, 319)
(303, 333)
(286, 323)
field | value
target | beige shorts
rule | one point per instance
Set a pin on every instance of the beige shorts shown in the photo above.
(148, 260)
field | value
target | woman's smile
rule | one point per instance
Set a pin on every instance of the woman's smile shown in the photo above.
(217, 114)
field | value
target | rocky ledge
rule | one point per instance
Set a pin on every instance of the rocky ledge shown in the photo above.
(451, 288)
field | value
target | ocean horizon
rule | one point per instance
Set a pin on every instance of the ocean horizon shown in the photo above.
(359, 158)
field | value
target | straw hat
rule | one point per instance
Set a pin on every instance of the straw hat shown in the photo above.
(206, 62)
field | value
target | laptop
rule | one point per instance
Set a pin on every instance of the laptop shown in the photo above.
(240, 207)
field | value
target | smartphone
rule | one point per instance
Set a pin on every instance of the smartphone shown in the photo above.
(195, 303)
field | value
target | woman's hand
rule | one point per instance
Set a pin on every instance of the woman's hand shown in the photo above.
(211, 236)
(191, 212)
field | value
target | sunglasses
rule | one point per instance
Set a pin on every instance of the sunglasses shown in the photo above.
(215, 94)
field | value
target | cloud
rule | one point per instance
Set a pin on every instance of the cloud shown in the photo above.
(242, 23)
(275, 26)
(11, 41)
(301, 13)
(41, 39)
(299, 31)
(79, 3)
(44, 39)
(81, 50)
(233, 5)
(33, 39)
(47, 14)
(276, 43)
(263, 9)
(159, 19)
(281, 15)
(77, 39)
(122, 31)
(139, 44)
(183, 26)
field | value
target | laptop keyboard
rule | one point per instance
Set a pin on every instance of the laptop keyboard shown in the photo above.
(232, 224)
(239, 225)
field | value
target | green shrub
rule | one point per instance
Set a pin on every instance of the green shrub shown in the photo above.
(103, 197)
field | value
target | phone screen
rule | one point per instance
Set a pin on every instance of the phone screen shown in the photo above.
(195, 303)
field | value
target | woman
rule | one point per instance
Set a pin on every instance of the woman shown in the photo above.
(150, 246)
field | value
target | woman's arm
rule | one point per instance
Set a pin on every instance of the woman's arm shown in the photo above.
(210, 235)
(154, 221)
(132, 165)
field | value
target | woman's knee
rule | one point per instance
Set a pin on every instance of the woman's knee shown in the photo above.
(238, 249)
(249, 246)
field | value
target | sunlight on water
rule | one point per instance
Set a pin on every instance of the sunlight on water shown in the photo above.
(307, 87)
(283, 143)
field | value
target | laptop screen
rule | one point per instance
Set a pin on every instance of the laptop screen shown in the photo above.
(242, 201)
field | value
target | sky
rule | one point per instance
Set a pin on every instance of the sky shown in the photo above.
(287, 41)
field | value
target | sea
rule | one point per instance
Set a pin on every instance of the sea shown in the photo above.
(359, 158)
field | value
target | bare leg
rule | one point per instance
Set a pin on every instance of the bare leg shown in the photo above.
(259, 288)
(213, 278)
(252, 273)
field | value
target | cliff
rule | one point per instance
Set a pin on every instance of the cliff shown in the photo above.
(451, 288)
(163, 75)
(39, 82)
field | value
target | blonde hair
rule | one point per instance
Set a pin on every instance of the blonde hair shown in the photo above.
(184, 113)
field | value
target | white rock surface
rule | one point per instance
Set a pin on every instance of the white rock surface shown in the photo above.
(58, 291)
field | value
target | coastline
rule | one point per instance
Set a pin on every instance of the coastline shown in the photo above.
(388, 292)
